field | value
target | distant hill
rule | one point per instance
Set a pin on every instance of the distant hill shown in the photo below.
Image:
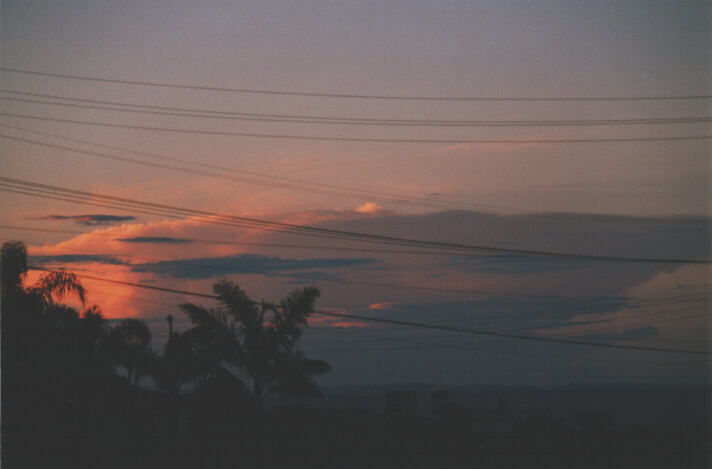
(627, 403)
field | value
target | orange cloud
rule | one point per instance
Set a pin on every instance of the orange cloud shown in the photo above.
(369, 208)
(351, 324)
(114, 241)
(379, 306)
(116, 300)
(331, 321)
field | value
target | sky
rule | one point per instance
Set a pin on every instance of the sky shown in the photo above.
(646, 198)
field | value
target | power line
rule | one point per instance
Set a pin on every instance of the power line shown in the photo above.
(90, 198)
(328, 120)
(408, 324)
(189, 262)
(388, 285)
(419, 345)
(510, 335)
(653, 302)
(612, 314)
(595, 330)
(131, 284)
(292, 183)
(482, 332)
(362, 139)
(245, 243)
(273, 181)
(377, 284)
(415, 340)
(353, 96)
(245, 222)
(509, 317)
(391, 331)
(639, 304)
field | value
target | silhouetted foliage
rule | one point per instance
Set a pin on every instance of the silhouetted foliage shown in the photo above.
(14, 267)
(259, 340)
(63, 404)
(130, 345)
(51, 356)
(179, 363)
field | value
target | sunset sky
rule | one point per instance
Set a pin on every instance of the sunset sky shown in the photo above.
(647, 198)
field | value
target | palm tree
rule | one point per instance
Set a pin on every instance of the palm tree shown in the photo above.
(130, 345)
(32, 321)
(14, 268)
(41, 360)
(55, 284)
(93, 332)
(260, 340)
(179, 363)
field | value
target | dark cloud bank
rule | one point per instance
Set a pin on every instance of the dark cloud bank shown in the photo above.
(90, 220)
(243, 264)
(154, 240)
(201, 268)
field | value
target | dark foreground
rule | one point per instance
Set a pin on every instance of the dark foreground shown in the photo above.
(111, 424)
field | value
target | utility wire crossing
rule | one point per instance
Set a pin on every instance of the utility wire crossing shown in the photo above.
(115, 106)
(420, 325)
(350, 95)
(450, 141)
(92, 198)
(288, 183)
(639, 304)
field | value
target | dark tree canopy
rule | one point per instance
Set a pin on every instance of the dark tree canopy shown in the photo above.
(14, 266)
(258, 339)
(130, 344)
(179, 363)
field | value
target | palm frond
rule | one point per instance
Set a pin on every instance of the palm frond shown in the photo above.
(236, 302)
(199, 316)
(59, 284)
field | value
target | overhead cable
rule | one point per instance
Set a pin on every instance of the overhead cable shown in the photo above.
(89, 198)
(114, 106)
(326, 138)
(354, 95)
(420, 325)
(288, 183)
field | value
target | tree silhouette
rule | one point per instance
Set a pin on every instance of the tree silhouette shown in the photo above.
(52, 285)
(14, 268)
(259, 340)
(32, 321)
(91, 336)
(179, 363)
(50, 356)
(130, 345)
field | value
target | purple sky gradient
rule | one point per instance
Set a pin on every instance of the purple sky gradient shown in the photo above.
(631, 199)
